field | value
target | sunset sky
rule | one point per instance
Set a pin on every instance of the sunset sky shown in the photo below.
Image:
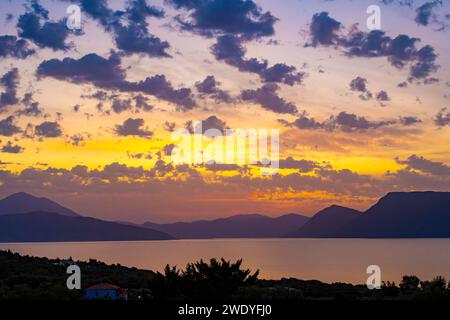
(87, 116)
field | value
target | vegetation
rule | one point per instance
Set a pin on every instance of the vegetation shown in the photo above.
(24, 277)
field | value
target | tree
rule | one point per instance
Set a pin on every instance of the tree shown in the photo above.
(216, 280)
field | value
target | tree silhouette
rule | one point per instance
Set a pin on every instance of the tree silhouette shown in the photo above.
(216, 280)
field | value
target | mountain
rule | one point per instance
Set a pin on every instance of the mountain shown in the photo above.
(240, 226)
(23, 202)
(403, 215)
(327, 222)
(52, 227)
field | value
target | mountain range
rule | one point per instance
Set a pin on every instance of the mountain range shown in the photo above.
(25, 218)
(239, 226)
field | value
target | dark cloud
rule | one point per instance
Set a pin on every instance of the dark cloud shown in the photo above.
(415, 162)
(383, 96)
(169, 126)
(9, 147)
(8, 127)
(442, 119)
(344, 121)
(120, 105)
(133, 127)
(10, 81)
(135, 39)
(108, 74)
(324, 29)
(302, 165)
(358, 84)
(268, 98)
(129, 28)
(243, 18)
(401, 51)
(210, 87)
(409, 121)
(424, 13)
(161, 88)
(49, 34)
(48, 129)
(211, 123)
(305, 122)
(33, 110)
(230, 50)
(91, 68)
(10, 46)
(78, 139)
(350, 122)
(141, 103)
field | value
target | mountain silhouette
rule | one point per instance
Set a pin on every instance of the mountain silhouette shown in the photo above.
(403, 215)
(327, 222)
(53, 227)
(22, 202)
(240, 226)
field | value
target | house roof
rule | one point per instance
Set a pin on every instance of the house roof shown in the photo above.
(103, 286)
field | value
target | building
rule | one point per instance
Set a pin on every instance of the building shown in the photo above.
(106, 291)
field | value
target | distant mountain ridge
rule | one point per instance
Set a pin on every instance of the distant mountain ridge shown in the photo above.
(239, 226)
(327, 222)
(25, 218)
(54, 227)
(403, 215)
(22, 202)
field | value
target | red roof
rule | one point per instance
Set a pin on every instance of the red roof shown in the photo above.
(103, 286)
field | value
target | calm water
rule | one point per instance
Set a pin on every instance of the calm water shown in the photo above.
(328, 260)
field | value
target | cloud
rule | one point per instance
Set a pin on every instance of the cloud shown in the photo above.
(324, 29)
(268, 98)
(210, 87)
(408, 121)
(48, 129)
(230, 50)
(344, 121)
(442, 119)
(11, 148)
(91, 68)
(161, 88)
(49, 34)
(10, 81)
(33, 110)
(141, 103)
(415, 162)
(11, 46)
(133, 127)
(217, 17)
(120, 105)
(383, 96)
(8, 128)
(302, 165)
(358, 84)
(169, 126)
(129, 28)
(211, 123)
(401, 51)
(78, 139)
(135, 39)
(108, 74)
(350, 122)
(425, 12)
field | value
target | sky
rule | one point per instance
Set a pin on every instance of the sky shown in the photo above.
(87, 115)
